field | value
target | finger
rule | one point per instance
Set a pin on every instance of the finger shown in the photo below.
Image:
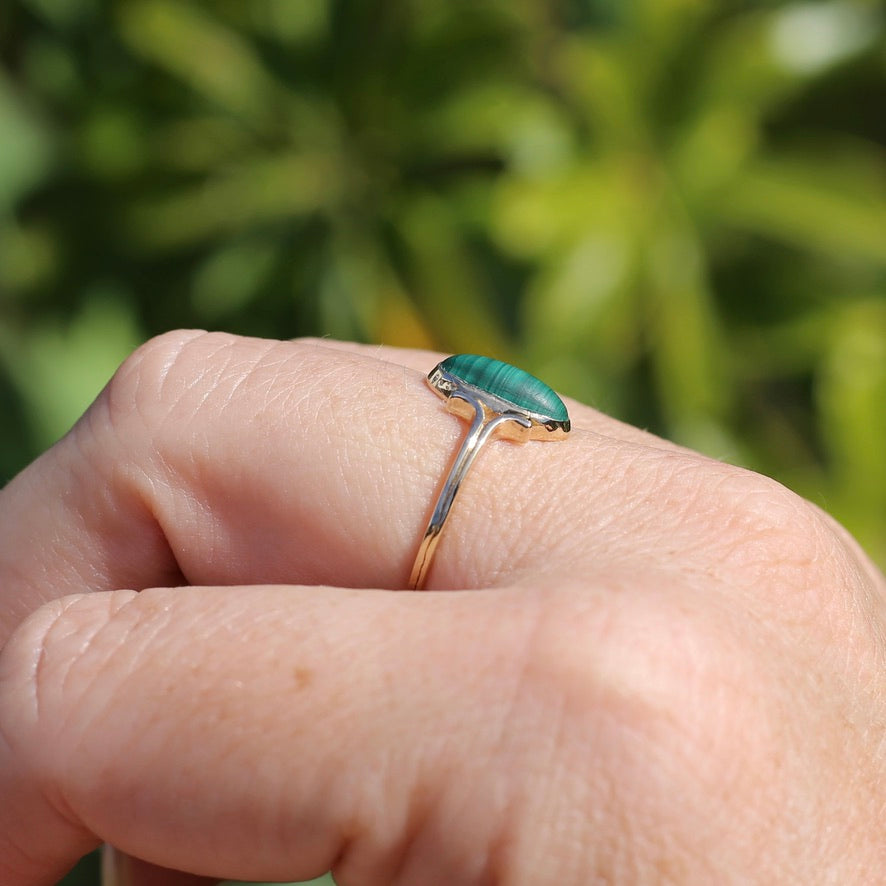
(543, 737)
(212, 459)
(270, 733)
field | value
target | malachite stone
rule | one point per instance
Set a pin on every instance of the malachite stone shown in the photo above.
(507, 383)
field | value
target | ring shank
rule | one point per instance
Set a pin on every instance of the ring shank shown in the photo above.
(482, 428)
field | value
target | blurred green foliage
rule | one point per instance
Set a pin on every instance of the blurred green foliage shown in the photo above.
(672, 209)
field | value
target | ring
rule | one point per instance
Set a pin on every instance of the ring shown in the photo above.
(498, 399)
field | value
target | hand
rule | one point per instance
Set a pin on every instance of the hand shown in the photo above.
(673, 673)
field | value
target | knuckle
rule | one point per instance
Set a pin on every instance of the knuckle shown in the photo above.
(47, 670)
(142, 382)
(775, 523)
(795, 568)
(754, 530)
(42, 734)
(656, 710)
(174, 383)
(28, 729)
(788, 552)
(635, 663)
(20, 661)
(147, 407)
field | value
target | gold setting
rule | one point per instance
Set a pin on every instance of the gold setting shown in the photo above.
(490, 417)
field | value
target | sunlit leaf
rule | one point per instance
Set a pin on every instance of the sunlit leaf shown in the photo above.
(25, 146)
(814, 206)
(190, 43)
(230, 278)
(852, 393)
(448, 288)
(252, 193)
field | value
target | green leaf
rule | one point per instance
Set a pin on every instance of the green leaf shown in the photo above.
(25, 146)
(199, 49)
(839, 210)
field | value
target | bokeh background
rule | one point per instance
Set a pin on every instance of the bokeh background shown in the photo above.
(672, 209)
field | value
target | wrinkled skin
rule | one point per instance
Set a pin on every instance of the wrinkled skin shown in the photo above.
(669, 670)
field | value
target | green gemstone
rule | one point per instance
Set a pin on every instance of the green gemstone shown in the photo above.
(507, 383)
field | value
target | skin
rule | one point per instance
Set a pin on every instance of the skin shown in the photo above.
(670, 670)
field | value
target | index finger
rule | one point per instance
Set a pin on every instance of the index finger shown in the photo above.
(214, 459)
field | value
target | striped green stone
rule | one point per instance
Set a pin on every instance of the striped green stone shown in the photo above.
(507, 383)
